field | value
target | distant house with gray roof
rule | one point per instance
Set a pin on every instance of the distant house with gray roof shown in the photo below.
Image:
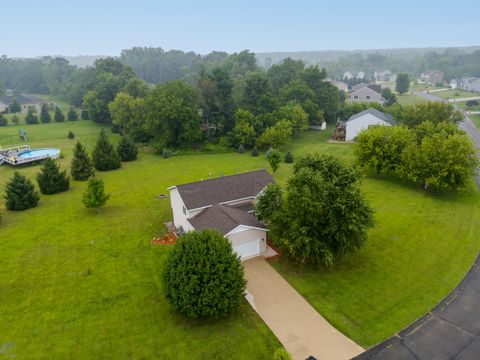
(363, 120)
(431, 77)
(25, 101)
(367, 93)
(225, 204)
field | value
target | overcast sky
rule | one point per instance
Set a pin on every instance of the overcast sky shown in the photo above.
(104, 27)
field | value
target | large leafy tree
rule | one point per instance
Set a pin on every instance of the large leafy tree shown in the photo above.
(81, 168)
(279, 134)
(51, 180)
(269, 201)
(104, 156)
(127, 114)
(284, 72)
(403, 83)
(171, 115)
(435, 112)
(202, 275)
(20, 193)
(257, 94)
(324, 214)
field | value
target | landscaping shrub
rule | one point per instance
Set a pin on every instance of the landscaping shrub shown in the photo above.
(71, 135)
(15, 119)
(471, 103)
(94, 195)
(72, 114)
(20, 193)
(203, 277)
(241, 149)
(274, 159)
(58, 116)
(14, 107)
(51, 180)
(255, 151)
(104, 156)
(31, 118)
(81, 168)
(127, 150)
(3, 120)
(288, 157)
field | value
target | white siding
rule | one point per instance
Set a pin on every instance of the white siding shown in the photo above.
(361, 123)
(179, 217)
(244, 234)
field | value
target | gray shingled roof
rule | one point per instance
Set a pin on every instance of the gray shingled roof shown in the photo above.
(21, 99)
(377, 113)
(219, 190)
(224, 218)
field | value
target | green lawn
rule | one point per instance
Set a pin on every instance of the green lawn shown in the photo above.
(463, 105)
(476, 120)
(77, 284)
(410, 99)
(454, 94)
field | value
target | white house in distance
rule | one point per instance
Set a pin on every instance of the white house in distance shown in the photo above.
(363, 120)
(225, 204)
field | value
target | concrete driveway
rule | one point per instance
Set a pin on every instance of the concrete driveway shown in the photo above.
(298, 326)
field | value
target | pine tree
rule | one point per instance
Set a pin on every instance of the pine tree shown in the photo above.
(3, 120)
(104, 155)
(15, 119)
(14, 107)
(82, 167)
(58, 117)
(45, 115)
(51, 180)
(71, 135)
(255, 151)
(127, 150)
(95, 196)
(84, 114)
(72, 114)
(288, 157)
(31, 118)
(20, 193)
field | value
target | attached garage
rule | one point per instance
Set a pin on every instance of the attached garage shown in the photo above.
(247, 241)
(248, 249)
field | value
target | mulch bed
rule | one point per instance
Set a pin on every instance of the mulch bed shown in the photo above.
(274, 257)
(168, 239)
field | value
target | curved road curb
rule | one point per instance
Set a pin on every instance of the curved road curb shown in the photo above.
(451, 330)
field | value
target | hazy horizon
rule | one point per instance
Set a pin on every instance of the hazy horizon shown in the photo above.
(89, 28)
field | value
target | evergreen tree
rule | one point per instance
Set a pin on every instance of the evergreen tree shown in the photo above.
(20, 193)
(104, 155)
(255, 151)
(403, 83)
(95, 196)
(71, 135)
(15, 119)
(84, 114)
(72, 114)
(288, 157)
(241, 149)
(274, 159)
(127, 150)
(45, 115)
(3, 120)
(82, 167)
(31, 118)
(51, 180)
(14, 107)
(58, 117)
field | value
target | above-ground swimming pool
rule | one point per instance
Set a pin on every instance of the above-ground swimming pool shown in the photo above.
(40, 153)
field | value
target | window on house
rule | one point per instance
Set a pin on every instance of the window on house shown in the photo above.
(368, 97)
(355, 96)
(184, 211)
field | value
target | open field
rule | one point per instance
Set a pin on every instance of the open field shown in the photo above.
(77, 284)
(475, 119)
(410, 99)
(454, 94)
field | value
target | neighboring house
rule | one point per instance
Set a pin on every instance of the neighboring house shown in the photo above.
(225, 204)
(360, 75)
(347, 75)
(365, 119)
(25, 101)
(455, 83)
(340, 85)
(467, 84)
(384, 76)
(431, 77)
(369, 93)
(359, 86)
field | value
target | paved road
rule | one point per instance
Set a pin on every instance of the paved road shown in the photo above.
(464, 99)
(298, 326)
(450, 331)
(428, 96)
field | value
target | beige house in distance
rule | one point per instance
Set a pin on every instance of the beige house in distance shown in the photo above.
(431, 77)
(369, 93)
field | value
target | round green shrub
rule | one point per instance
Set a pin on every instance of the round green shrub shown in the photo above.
(203, 277)
(288, 157)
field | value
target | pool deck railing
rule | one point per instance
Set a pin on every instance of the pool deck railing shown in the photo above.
(10, 155)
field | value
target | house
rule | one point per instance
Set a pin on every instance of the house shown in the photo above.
(359, 86)
(431, 77)
(340, 85)
(384, 76)
(225, 204)
(347, 75)
(467, 84)
(455, 83)
(368, 93)
(360, 75)
(25, 101)
(365, 119)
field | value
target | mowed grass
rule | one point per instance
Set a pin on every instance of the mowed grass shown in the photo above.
(454, 94)
(463, 105)
(79, 284)
(476, 120)
(410, 99)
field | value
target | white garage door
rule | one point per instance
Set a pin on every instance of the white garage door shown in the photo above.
(248, 248)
